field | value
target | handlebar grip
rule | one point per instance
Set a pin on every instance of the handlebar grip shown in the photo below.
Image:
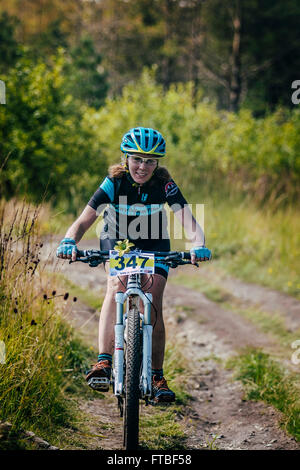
(81, 253)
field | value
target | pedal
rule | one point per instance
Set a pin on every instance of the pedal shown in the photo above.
(163, 404)
(101, 384)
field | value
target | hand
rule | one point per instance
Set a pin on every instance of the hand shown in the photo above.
(67, 249)
(200, 253)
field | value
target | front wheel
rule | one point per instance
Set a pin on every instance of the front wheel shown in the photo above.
(132, 391)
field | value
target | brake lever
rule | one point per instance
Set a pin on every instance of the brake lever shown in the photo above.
(188, 262)
(173, 257)
(92, 262)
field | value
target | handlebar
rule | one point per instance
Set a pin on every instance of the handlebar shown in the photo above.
(169, 258)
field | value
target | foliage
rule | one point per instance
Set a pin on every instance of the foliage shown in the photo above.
(51, 152)
(86, 79)
(232, 50)
(49, 40)
(8, 45)
(54, 143)
(220, 151)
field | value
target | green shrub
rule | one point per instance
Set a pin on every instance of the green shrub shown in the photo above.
(219, 151)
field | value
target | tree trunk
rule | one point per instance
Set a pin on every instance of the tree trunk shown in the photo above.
(235, 82)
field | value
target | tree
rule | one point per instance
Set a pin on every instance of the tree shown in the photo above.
(243, 54)
(48, 41)
(36, 16)
(270, 64)
(233, 50)
(87, 79)
(9, 47)
(50, 150)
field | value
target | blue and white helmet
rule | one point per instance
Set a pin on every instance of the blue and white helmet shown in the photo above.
(144, 140)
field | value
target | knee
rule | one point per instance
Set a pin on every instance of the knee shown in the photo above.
(113, 286)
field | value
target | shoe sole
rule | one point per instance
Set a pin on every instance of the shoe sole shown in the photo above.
(163, 399)
(101, 384)
(162, 403)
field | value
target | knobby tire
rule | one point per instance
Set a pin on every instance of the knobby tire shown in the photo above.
(131, 408)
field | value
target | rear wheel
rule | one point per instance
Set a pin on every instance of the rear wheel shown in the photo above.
(132, 391)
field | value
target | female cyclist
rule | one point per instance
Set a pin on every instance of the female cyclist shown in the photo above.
(135, 192)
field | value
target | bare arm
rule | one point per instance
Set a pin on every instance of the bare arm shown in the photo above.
(82, 224)
(191, 227)
(193, 230)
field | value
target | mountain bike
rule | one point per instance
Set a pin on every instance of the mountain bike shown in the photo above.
(132, 368)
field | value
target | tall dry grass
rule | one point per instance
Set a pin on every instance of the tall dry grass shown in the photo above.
(40, 354)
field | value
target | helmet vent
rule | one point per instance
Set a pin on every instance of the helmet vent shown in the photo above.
(145, 140)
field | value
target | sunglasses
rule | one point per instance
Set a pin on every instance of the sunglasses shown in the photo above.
(139, 160)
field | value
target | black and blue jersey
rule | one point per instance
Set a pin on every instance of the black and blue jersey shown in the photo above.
(136, 212)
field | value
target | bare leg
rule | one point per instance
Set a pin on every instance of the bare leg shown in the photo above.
(159, 336)
(108, 314)
(108, 317)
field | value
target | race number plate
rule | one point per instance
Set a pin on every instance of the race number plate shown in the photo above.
(130, 263)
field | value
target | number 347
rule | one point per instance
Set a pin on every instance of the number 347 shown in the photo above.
(131, 262)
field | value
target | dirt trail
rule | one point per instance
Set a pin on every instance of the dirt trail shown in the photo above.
(266, 299)
(217, 415)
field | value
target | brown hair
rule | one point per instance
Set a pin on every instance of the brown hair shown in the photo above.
(118, 170)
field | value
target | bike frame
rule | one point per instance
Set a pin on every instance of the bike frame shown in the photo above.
(127, 326)
(133, 295)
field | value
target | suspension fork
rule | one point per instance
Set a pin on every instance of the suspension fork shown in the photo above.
(147, 348)
(119, 346)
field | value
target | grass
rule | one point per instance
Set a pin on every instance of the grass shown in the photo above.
(87, 296)
(41, 373)
(265, 379)
(159, 430)
(256, 244)
(160, 427)
(212, 445)
(269, 323)
(175, 370)
(264, 247)
(212, 292)
(56, 221)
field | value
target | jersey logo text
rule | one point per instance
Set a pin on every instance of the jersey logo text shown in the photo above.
(171, 188)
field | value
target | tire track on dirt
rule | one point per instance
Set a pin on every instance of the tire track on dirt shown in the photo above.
(265, 298)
